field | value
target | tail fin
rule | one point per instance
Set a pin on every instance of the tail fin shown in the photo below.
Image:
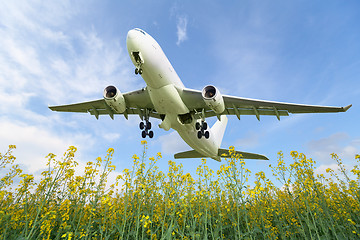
(218, 129)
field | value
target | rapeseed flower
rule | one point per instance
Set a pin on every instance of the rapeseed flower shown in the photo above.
(147, 203)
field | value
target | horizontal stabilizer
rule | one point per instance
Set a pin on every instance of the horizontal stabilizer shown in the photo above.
(188, 154)
(243, 155)
(224, 153)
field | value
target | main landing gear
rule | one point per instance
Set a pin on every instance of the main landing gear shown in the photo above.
(201, 128)
(146, 126)
(139, 62)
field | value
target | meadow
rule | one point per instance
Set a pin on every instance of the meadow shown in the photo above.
(146, 203)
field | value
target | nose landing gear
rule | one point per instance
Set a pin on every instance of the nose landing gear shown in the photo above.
(139, 62)
(201, 128)
(138, 70)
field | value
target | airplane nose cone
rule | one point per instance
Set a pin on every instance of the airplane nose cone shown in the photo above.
(132, 34)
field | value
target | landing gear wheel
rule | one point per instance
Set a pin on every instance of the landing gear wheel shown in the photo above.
(136, 71)
(204, 125)
(207, 134)
(197, 126)
(151, 134)
(140, 71)
(145, 124)
(199, 134)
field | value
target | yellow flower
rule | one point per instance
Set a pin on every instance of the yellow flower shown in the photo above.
(351, 221)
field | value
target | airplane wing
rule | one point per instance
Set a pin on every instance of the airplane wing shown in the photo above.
(137, 102)
(247, 106)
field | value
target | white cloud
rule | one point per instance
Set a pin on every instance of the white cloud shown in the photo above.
(339, 143)
(46, 60)
(55, 59)
(181, 29)
(22, 55)
(111, 137)
(251, 140)
(322, 169)
(34, 143)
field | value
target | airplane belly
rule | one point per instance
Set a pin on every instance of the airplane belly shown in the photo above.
(159, 73)
(155, 77)
(207, 147)
(167, 100)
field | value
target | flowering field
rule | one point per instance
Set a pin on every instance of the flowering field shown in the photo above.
(146, 203)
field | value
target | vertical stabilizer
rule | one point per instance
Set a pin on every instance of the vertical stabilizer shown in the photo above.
(218, 129)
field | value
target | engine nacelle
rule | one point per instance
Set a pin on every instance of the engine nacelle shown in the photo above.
(114, 98)
(213, 99)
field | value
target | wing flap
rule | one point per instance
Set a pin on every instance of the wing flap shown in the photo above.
(138, 99)
(80, 107)
(245, 111)
(136, 103)
(280, 106)
(247, 106)
(129, 111)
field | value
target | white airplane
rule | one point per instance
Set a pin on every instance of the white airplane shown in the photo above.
(185, 110)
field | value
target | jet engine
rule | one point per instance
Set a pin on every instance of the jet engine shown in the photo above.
(213, 99)
(114, 98)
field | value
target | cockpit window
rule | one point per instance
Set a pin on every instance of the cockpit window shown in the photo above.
(138, 29)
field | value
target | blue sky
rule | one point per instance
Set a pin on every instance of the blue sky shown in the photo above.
(64, 52)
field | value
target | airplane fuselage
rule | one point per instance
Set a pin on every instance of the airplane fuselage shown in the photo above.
(164, 87)
(182, 109)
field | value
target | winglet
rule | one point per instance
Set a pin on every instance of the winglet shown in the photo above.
(347, 107)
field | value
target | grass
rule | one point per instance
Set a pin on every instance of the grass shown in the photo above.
(146, 203)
